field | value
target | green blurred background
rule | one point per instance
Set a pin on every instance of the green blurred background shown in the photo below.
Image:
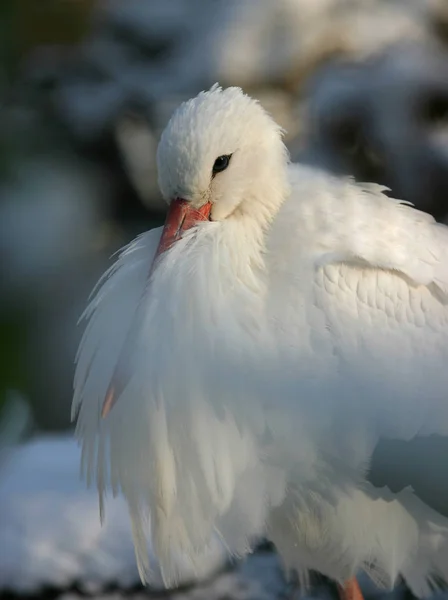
(25, 25)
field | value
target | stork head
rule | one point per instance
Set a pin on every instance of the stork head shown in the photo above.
(220, 156)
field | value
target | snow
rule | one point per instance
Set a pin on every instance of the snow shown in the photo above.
(50, 532)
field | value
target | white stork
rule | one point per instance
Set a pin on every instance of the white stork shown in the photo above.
(242, 368)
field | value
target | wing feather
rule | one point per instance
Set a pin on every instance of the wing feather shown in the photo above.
(373, 274)
(358, 224)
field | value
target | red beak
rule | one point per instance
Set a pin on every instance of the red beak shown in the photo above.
(181, 216)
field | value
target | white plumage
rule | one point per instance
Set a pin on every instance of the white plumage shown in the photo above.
(274, 348)
(50, 535)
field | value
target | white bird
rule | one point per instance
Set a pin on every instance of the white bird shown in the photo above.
(241, 366)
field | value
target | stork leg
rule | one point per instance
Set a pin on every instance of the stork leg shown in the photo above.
(350, 590)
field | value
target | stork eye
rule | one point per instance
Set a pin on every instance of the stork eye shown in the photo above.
(221, 163)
